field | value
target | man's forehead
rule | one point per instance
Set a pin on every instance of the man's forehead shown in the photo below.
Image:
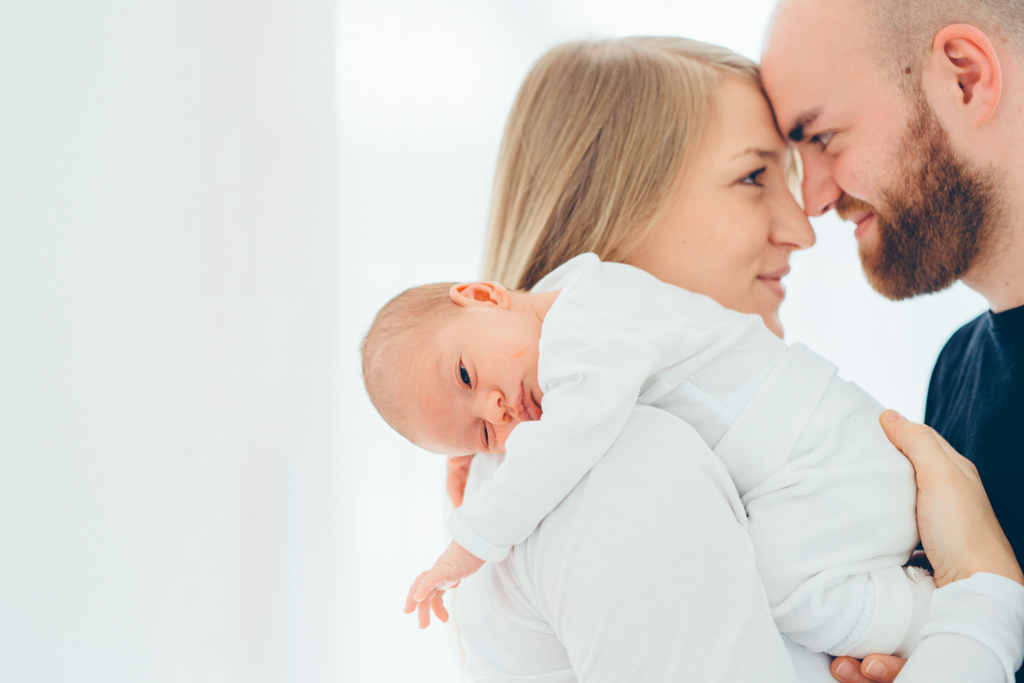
(811, 59)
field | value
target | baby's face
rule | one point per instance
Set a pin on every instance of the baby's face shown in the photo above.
(475, 380)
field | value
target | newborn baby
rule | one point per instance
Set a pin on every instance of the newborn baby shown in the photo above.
(550, 376)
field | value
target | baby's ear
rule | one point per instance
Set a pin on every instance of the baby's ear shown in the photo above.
(481, 294)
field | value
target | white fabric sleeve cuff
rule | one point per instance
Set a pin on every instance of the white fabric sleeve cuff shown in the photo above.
(891, 605)
(472, 542)
(986, 608)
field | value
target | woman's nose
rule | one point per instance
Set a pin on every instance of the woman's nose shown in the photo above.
(790, 226)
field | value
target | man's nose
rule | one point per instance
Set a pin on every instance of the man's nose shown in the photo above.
(820, 190)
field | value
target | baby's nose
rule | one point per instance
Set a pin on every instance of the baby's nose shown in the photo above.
(497, 410)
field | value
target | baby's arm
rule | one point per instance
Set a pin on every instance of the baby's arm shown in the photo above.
(427, 591)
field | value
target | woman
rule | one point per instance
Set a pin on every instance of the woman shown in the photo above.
(661, 153)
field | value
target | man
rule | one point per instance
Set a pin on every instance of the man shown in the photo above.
(909, 116)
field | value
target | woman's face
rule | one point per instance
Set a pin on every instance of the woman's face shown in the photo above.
(732, 222)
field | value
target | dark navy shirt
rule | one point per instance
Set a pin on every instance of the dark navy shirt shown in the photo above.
(976, 401)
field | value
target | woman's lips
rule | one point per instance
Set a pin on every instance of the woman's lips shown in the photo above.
(528, 408)
(773, 281)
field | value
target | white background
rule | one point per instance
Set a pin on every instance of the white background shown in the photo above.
(202, 204)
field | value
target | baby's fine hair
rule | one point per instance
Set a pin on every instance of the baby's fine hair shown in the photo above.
(416, 312)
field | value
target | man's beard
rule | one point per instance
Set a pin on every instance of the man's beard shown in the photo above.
(936, 219)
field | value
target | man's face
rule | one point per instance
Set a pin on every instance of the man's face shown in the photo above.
(876, 155)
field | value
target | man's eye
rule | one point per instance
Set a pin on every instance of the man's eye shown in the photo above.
(752, 179)
(464, 375)
(822, 139)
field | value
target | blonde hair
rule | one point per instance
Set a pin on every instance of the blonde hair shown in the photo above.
(419, 310)
(597, 139)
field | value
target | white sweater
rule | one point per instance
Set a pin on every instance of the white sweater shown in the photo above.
(645, 572)
(829, 499)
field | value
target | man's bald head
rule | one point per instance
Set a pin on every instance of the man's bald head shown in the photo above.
(905, 30)
(899, 33)
(895, 108)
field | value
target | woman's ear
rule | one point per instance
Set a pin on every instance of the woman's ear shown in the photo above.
(481, 294)
(965, 75)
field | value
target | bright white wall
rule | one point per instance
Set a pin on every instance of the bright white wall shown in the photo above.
(168, 265)
(424, 88)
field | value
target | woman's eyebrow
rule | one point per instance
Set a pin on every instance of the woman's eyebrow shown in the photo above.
(767, 154)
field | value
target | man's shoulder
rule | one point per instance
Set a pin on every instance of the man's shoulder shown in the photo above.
(952, 354)
(961, 339)
(948, 372)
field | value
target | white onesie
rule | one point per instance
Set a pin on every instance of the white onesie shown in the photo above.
(830, 502)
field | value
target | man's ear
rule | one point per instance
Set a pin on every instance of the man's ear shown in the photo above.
(481, 294)
(965, 74)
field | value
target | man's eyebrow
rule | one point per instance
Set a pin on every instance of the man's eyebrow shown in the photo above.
(768, 154)
(796, 133)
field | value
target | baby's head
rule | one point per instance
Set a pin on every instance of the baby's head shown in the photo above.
(453, 367)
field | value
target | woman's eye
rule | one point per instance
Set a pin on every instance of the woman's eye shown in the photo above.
(822, 139)
(464, 375)
(753, 178)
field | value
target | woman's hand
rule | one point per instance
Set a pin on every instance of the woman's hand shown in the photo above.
(959, 531)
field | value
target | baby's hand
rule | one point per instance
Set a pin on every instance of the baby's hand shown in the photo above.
(428, 589)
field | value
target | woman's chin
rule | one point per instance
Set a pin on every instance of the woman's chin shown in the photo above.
(772, 322)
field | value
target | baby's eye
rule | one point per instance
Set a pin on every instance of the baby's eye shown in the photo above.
(487, 440)
(752, 179)
(464, 375)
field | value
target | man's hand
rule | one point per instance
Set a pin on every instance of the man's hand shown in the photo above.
(874, 668)
(458, 472)
(428, 589)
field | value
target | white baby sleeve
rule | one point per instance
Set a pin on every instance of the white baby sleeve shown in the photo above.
(584, 411)
(611, 328)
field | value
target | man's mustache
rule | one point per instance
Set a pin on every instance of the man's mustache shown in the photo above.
(848, 205)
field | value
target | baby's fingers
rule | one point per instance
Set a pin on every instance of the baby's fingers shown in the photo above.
(431, 580)
(437, 603)
(410, 600)
(424, 613)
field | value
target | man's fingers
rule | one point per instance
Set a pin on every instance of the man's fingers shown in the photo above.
(847, 670)
(874, 669)
(881, 668)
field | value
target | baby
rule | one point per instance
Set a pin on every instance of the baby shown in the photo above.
(550, 376)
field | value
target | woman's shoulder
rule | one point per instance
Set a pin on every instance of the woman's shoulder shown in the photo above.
(655, 524)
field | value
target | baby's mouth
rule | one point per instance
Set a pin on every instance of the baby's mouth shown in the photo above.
(528, 408)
